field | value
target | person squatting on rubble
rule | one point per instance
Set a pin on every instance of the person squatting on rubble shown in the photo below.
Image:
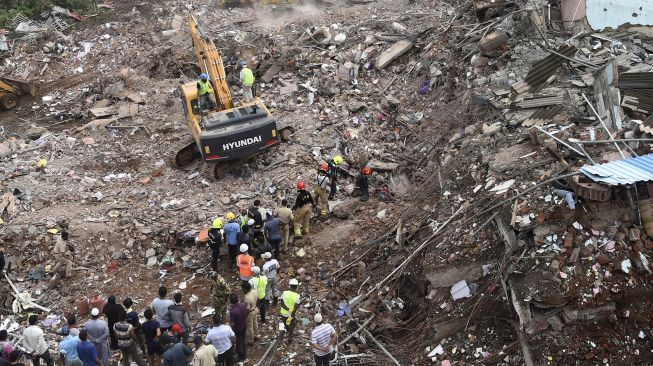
(238, 322)
(179, 315)
(246, 81)
(231, 231)
(288, 308)
(334, 172)
(113, 312)
(87, 352)
(259, 283)
(205, 354)
(98, 334)
(134, 320)
(323, 340)
(35, 344)
(205, 92)
(215, 242)
(62, 254)
(270, 269)
(251, 300)
(160, 307)
(303, 208)
(222, 337)
(363, 183)
(272, 229)
(284, 213)
(127, 341)
(152, 332)
(321, 196)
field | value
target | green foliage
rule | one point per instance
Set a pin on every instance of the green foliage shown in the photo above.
(31, 8)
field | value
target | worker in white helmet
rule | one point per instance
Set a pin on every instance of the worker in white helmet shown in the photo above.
(288, 308)
(245, 263)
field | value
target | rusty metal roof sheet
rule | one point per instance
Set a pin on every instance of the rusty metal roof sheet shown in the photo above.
(628, 171)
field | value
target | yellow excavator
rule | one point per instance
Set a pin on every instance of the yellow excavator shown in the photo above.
(228, 134)
(12, 89)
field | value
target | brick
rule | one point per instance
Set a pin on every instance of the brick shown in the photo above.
(637, 247)
(569, 242)
(590, 190)
(574, 255)
(587, 251)
(603, 260)
(633, 234)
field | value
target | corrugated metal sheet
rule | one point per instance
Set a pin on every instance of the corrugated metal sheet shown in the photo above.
(547, 66)
(610, 13)
(626, 171)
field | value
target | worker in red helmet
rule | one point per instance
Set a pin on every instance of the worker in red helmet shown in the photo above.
(323, 182)
(363, 183)
(303, 208)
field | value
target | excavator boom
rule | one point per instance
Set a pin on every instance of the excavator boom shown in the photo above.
(210, 62)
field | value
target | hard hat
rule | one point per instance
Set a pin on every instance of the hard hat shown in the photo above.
(366, 170)
(266, 255)
(243, 63)
(176, 328)
(338, 159)
(250, 222)
(318, 318)
(204, 76)
(95, 312)
(244, 248)
(324, 167)
(293, 282)
(256, 270)
(301, 185)
(230, 216)
(217, 223)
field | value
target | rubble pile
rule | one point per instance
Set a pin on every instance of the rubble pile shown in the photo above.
(493, 235)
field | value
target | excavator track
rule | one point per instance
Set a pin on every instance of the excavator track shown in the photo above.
(184, 153)
(215, 172)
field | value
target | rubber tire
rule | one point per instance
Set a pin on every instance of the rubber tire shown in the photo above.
(9, 101)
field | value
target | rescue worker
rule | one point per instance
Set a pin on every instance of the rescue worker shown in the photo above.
(321, 196)
(286, 216)
(62, 254)
(220, 295)
(302, 209)
(334, 172)
(231, 233)
(259, 283)
(288, 307)
(246, 81)
(245, 263)
(363, 183)
(205, 92)
(270, 269)
(243, 218)
(255, 214)
(215, 242)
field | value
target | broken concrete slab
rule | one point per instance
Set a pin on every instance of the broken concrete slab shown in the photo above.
(127, 110)
(397, 49)
(271, 73)
(450, 276)
(509, 157)
(288, 89)
(381, 166)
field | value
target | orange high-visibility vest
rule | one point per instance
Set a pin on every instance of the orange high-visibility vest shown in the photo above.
(245, 263)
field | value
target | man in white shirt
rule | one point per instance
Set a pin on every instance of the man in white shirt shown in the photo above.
(270, 269)
(222, 337)
(323, 339)
(160, 307)
(34, 342)
(205, 354)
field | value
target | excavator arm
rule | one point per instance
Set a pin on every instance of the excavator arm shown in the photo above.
(210, 63)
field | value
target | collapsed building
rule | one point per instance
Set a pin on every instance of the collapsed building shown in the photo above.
(510, 143)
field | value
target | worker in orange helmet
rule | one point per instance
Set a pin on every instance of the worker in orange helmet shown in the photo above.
(323, 182)
(363, 183)
(303, 208)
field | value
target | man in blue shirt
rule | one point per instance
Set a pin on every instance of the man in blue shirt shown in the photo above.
(68, 348)
(86, 351)
(175, 355)
(231, 231)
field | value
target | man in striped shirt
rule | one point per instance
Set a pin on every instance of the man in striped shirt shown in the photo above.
(323, 339)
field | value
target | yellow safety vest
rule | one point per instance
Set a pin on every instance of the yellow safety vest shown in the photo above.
(248, 76)
(289, 299)
(205, 87)
(260, 283)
